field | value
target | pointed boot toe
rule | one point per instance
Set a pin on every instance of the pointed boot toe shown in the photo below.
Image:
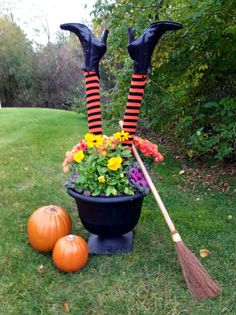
(170, 26)
(93, 48)
(141, 49)
(72, 27)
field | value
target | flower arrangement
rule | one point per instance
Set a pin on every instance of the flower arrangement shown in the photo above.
(103, 166)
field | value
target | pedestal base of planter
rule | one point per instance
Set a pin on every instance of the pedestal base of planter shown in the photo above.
(110, 245)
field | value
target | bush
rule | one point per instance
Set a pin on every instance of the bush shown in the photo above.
(191, 93)
(218, 132)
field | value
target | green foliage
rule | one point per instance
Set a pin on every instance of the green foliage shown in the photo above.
(190, 68)
(219, 131)
(76, 98)
(15, 63)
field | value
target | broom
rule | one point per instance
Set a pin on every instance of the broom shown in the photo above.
(200, 284)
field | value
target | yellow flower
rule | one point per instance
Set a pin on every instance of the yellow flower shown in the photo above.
(122, 136)
(114, 163)
(78, 156)
(93, 140)
(101, 179)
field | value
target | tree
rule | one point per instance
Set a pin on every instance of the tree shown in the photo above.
(57, 73)
(15, 62)
(192, 88)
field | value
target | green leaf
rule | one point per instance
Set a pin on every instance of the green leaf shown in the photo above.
(108, 191)
(114, 191)
(126, 153)
(96, 192)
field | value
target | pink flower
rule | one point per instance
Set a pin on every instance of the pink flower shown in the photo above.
(66, 168)
(69, 156)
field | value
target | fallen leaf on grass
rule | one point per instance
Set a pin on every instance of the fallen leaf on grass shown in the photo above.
(204, 252)
(66, 307)
(41, 269)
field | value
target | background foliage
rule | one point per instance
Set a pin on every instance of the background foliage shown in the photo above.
(42, 76)
(191, 92)
(190, 98)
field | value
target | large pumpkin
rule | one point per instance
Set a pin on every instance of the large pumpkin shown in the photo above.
(46, 225)
(70, 253)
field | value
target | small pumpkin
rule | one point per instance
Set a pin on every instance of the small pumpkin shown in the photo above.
(70, 253)
(46, 225)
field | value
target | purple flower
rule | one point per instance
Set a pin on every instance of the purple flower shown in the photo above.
(134, 172)
(144, 183)
(74, 176)
(136, 177)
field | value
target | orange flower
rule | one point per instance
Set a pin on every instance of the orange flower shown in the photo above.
(148, 149)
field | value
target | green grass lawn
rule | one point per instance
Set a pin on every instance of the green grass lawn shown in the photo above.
(33, 143)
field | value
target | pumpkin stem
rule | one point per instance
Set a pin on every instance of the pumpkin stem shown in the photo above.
(51, 210)
(70, 237)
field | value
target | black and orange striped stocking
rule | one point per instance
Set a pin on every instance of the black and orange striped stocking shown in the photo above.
(93, 102)
(132, 110)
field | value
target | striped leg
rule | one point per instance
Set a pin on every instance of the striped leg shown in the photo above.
(93, 102)
(132, 110)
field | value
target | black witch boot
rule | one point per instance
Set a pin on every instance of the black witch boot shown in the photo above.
(141, 49)
(93, 48)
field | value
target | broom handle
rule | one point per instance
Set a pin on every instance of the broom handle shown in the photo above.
(175, 235)
(154, 191)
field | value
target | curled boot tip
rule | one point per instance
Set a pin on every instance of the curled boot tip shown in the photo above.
(166, 25)
(93, 48)
(141, 48)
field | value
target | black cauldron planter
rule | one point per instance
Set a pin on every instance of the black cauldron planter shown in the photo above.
(110, 221)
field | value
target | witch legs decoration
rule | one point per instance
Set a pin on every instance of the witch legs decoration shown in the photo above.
(140, 50)
(93, 50)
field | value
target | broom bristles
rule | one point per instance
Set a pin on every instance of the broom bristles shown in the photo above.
(200, 284)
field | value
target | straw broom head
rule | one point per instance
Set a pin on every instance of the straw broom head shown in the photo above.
(198, 281)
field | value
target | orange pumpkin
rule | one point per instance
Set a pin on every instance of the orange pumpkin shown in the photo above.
(70, 253)
(46, 225)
